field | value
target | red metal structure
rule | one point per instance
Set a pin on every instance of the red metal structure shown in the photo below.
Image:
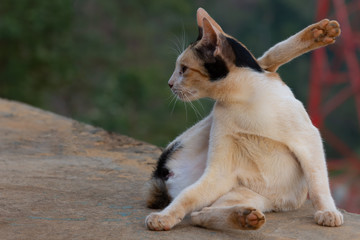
(334, 79)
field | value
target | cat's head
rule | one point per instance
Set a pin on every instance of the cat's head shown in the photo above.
(204, 67)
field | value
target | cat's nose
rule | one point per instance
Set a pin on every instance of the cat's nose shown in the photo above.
(171, 85)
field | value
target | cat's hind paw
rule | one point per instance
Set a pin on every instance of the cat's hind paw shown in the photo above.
(247, 218)
(329, 218)
(325, 31)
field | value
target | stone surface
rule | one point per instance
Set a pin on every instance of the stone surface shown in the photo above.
(60, 179)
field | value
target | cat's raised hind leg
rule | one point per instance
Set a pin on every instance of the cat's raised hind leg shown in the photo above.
(239, 209)
(312, 37)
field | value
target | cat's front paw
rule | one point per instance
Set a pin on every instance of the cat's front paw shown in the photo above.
(326, 31)
(329, 218)
(160, 222)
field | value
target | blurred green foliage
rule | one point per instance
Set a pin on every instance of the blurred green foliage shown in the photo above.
(107, 62)
(35, 47)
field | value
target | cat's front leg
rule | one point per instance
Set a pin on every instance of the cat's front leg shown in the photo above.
(161, 222)
(216, 181)
(202, 193)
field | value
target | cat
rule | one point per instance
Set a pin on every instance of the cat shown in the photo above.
(256, 152)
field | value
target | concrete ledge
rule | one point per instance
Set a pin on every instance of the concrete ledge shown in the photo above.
(60, 179)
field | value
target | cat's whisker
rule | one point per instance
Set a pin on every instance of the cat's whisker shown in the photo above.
(169, 97)
(172, 48)
(176, 45)
(197, 112)
(173, 97)
(186, 111)
(172, 110)
(182, 96)
(185, 95)
(199, 102)
(179, 45)
(183, 45)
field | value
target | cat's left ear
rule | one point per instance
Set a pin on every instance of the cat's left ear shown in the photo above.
(210, 35)
(200, 15)
(212, 38)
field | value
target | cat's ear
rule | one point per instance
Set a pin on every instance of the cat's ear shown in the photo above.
(200, 15)
(212, 38)
(210, 35)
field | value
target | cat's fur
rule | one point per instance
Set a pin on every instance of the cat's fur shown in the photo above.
(256, 152)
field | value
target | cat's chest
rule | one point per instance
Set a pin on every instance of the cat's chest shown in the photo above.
(250, 119)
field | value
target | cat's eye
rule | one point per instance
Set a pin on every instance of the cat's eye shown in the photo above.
(183, 69)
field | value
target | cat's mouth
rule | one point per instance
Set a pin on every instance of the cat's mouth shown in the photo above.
(185, 94)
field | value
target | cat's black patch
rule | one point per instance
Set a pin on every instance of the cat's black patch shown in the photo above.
(200, 34)
(158, 197)
(216, 70)
(161, 171)
(243, 57)
(215, 66)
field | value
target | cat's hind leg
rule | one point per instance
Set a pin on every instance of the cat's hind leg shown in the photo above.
(241, 209)
(317, 35)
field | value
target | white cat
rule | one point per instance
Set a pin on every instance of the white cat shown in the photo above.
(256, 152)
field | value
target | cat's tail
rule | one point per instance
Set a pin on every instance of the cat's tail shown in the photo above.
(158, 195)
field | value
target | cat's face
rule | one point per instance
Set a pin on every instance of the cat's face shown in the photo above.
(203, 68)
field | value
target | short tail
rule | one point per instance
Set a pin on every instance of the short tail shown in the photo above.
(158, 195)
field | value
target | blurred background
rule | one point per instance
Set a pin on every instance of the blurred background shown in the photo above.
(107, 63)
